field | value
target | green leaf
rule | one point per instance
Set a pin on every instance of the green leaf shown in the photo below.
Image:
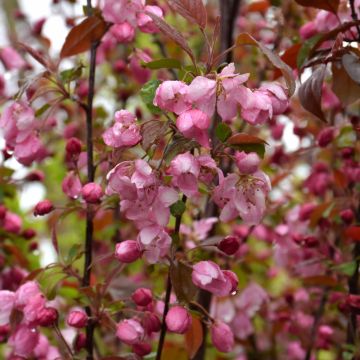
(305, 50)
(178, 146)
(74, 253)
(147, 94)
(162, 64)
(249, 148)
(69, 75)
(41, 110)
(347, 268)
(178, 208)
(223, 132)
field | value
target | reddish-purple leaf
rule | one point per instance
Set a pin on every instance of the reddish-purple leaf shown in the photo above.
(192, 10)
(172, 33)
(194, 337)
(328, 5)
(83, 35)
(242, 138)
(310, 92)
(344, 86)
(247, 39)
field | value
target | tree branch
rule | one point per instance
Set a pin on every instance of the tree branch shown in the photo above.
(90, 328)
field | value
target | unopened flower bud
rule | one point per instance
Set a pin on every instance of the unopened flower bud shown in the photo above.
(48, 316)
(222, 337)
(77, 319)
(130, 331)
(127, 251)
(73, 148)
(229, 245)
(142, 296)
(35, 175)
(247, 163)
(347, 216)
(151, 323)
(43, 208)
(92, 193)
(233, 279)
(141, 349)
(326, 136)
(178, 320)
(79, 342)
(29, 234)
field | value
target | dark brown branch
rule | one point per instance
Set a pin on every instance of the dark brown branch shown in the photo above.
(169, 287)
(317, 318)
(90, 328)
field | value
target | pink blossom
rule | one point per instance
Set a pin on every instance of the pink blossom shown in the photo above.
(308, 30)
(178, 320)
(208, 276)
(225, 91)
(156, 243)
(24, 340)
(242, 196)
(242, 326)
(25, 292)
(185, 171)
(145, 22)
(278, 97)
(256, 106)
(123, 33)
(200, 229)
(33, 308)
(295, 351)
(71, 185)
(119, 11)
(47, 316)
(251, 299)
(193, 124)
(140, 74)
(124, 132)
(7, 300)
(12, 59)
(172, 96)
(222, 337)
(130, 331)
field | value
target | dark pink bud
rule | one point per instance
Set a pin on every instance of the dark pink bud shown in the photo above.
(222, 337)
(38, 26)
(347, 153)
(73, 148)
(2, 212)
(79, 342)
(141, 349)
(119, 66)
(35, 175)
(347, 216)
(178, 320)
(48, 316)
(353, 301)
(231, 276)
(29, 234)
(306, 211)
(311, 241)
(229, 245)
(33, 246)
(326, 136)
(151, 323)
(43, 207)
(92, 193)
(127, 251)
(142, 297)
(77, 319)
